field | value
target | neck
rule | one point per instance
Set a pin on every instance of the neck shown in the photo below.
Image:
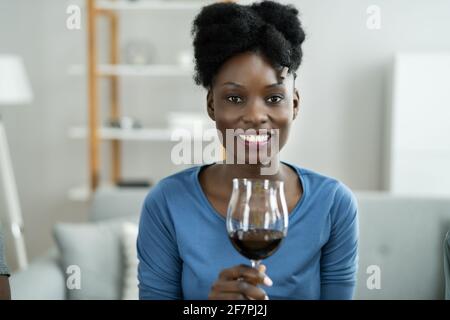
(252, 171)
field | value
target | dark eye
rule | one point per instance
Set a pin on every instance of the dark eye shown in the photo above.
(234, 99)
(274, 99)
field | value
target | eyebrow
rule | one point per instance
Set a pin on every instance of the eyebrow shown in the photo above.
(278, 84)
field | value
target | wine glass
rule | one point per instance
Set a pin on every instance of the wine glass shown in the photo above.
(257, 217)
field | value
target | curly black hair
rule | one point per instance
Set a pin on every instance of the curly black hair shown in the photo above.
(224, 29)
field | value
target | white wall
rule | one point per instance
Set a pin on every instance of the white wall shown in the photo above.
(343, 80)
(342, 84)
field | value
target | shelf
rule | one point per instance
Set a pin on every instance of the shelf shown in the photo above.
(144, 134)
(123, 134)
(151, 5)
(155, 70)
(83, 193)
(80, 193)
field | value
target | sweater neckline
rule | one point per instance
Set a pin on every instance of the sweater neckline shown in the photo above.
(292, 215)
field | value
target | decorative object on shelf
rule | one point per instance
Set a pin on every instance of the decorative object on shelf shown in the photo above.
(134, 183)
(139, 52)
(14, 90)
(126, 123)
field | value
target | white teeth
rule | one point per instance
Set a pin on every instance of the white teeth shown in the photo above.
(254, 138)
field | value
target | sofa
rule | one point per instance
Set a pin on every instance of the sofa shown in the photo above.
(403, 238)
(401, 251)
(47, 278)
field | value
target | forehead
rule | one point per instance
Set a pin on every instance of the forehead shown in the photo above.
(247, 68)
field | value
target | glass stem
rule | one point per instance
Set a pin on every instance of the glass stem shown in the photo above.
(255, 263)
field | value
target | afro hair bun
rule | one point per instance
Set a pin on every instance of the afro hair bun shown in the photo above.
(224, 29)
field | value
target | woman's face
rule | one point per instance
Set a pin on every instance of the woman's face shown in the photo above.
(248, 93)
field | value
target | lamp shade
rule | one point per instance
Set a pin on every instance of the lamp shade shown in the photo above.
(14, 85)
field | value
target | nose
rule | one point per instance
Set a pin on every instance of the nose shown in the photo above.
(255, 114)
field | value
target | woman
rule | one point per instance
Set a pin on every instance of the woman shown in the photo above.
(246, 58)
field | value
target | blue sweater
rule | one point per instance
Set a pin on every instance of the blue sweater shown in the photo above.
(183, 244)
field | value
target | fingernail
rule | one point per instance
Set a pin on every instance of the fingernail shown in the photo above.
(266, 297)
(268, 281)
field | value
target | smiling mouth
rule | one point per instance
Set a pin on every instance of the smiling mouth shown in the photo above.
(255, 139)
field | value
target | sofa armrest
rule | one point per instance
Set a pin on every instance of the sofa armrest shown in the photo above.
(42, 280)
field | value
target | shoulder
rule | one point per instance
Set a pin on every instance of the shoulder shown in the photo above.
(342, 201)
(320, 182)
(176, 184)
(169, 193)
(326, 188)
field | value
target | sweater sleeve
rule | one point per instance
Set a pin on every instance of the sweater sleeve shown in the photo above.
(159, 268)
(339, 256)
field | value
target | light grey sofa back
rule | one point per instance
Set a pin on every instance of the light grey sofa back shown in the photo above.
(404, 236)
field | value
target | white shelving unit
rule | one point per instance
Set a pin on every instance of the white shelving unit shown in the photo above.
(143, 134)
(111, 71)
(82, 193)
(150, 5)
(124, 70)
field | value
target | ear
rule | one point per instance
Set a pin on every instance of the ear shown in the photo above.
(296, 103)
(210, 104)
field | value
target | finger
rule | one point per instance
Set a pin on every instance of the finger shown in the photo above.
(226, 296)
(250, 274)
(240, 271)
(250, 291)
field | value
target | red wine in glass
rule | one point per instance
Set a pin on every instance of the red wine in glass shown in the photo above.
(256, 244)
(257, 218)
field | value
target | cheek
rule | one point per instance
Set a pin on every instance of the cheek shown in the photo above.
(283, 116)
(226, 119)
(283, 120)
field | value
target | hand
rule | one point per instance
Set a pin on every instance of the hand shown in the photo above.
(240, 283)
